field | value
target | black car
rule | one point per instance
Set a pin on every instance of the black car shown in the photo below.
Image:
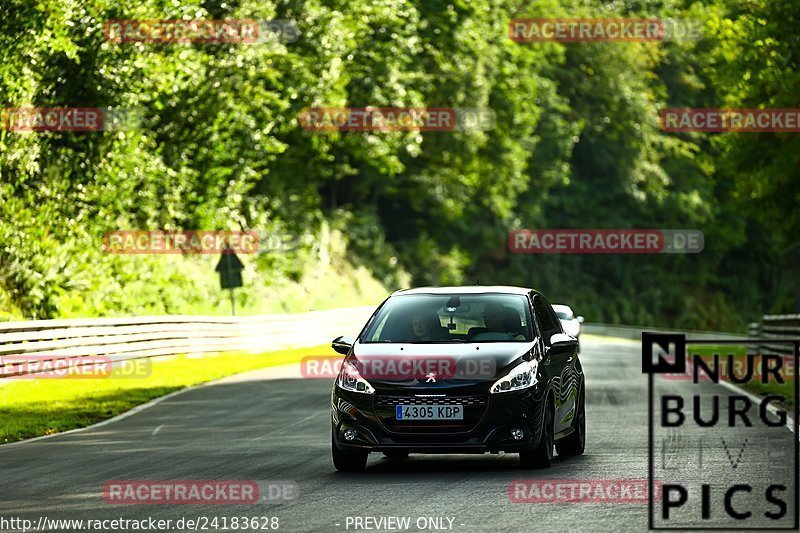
(459, 370)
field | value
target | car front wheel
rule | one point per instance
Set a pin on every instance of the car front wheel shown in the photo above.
(575, 442)
(346, 460)
(541, 455)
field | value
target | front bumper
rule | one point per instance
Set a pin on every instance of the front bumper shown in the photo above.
(488, 421)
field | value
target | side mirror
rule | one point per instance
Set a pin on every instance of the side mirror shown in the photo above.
(342, 344)
(562, 340)
(535, 353)
(580, 319)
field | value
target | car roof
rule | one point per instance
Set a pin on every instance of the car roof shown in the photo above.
(467, 289)
(562, 307)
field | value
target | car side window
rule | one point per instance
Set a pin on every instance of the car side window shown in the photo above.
(547, 319)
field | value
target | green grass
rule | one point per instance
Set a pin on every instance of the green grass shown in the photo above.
(31, 408)
(785, 389)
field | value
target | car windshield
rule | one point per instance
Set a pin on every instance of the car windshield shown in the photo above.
(451, 318)
(563, 315)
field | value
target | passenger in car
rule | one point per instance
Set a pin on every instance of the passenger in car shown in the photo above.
(499, 319)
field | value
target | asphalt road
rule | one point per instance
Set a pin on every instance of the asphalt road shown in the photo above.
(272, 426)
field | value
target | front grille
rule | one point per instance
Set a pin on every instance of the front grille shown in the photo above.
(391, 401)
(474, 409)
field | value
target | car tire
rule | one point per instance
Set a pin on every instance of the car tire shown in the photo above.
(396, 454)
(541, 455)
(575, 442)
(346, 460)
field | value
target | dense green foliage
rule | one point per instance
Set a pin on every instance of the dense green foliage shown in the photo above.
(577, 143)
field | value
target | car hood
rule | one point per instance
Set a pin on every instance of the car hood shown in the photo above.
(456, 364)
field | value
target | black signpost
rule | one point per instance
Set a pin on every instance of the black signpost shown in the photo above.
(230, 273)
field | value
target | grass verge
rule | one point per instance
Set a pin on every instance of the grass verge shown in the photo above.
(737, 355)
(31, 408)
(784, 390)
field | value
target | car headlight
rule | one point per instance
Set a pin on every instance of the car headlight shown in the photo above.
(521, 377)
(350, 379)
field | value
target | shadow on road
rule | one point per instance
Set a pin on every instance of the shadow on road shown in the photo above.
(421, 465)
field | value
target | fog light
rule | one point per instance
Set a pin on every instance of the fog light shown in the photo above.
(349, 435)
(517, 434)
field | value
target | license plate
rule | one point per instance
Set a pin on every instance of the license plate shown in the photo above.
(429, 412)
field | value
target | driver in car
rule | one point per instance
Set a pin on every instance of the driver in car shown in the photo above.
(497, 318)
(427, 327)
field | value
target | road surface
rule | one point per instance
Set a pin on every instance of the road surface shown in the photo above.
(270, 425)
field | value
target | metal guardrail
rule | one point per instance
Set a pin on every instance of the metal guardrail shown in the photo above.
(774, 327)
(121, 339)
(771, 327)
(635, 332)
